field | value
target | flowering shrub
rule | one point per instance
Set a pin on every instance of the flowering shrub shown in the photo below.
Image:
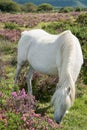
(31, 20)
(45, 85)
(19, 113)
(11, 35)
(14, 22)
(35, 121)
(20, 102)
(82, 19)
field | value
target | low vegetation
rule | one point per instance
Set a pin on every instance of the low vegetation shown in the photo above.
(9, 6)
(13, 7)
(18, 109)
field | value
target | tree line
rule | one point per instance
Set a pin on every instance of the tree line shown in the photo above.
(10, 6)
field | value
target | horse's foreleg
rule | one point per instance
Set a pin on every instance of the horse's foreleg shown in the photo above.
(29, 78)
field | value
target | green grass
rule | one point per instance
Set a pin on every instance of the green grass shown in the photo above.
(77, 115)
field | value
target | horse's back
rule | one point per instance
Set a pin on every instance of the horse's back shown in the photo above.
(35, 33)
(39, 35)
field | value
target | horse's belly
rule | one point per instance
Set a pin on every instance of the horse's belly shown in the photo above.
(51, 70)
(44, 68)
(43, 62)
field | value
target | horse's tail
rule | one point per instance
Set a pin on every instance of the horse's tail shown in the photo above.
(69, 69)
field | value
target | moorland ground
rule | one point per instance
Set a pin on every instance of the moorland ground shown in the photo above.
(11, 26)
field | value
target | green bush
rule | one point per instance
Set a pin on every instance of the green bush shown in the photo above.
(66, 10)
(11, 26)
(29, 7)
(78, 9)
(9, 6)
(84, 70)
(45, 7)
(82, 19)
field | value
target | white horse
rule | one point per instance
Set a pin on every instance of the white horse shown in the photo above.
(54, 55)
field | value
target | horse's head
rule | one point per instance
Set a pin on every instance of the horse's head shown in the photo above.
(61, 101)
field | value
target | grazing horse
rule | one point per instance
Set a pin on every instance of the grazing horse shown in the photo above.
(54, 55)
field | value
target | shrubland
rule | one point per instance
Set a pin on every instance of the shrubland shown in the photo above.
(18, 109)
(13, 7)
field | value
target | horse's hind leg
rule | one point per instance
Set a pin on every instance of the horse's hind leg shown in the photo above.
(29, 78)
(18, 70)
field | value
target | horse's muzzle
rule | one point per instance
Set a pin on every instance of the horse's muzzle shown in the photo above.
(58, 119)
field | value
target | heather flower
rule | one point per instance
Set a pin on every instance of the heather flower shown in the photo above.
(14, 94)
(21, 102)
(23, 118)
(23, 92)
(31, 128)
